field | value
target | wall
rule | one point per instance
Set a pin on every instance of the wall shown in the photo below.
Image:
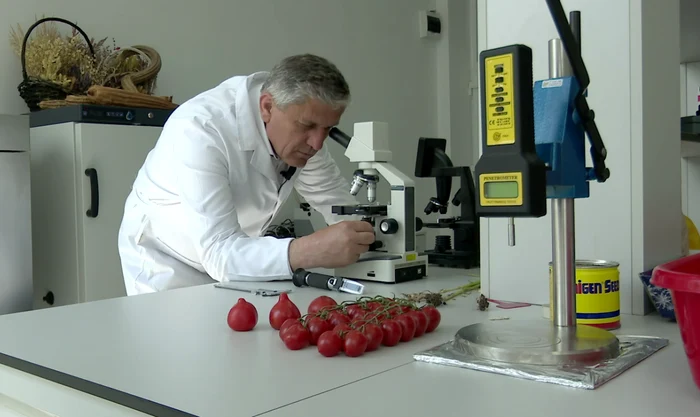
(392, 72)
(656, 193)
(633, 218)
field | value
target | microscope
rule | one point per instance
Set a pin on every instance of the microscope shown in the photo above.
(393, 257)
(432, 161)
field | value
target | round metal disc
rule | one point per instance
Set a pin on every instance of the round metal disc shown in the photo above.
(538, 342)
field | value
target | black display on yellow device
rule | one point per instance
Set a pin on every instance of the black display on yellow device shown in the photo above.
(510, 177)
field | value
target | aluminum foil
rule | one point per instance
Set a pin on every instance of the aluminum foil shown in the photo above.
(633, 349)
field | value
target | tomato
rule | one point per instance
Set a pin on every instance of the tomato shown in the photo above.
(355, 311)
(378, 318)
(329, 344)
(408, 327)
(355, 344)
(393, 310)
(433, 316)
(421, 322)
(287, 323)
(336, 317)
(406, 309)
(374, 334)
(321, 303)
(296, 337)
(355, 323)
(374, 306)
(317, 327)
(342, 329)
(243, 316)
(282, 310)
(392, 332)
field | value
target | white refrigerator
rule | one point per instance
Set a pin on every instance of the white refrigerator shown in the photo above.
(82, 172)
(15, 216)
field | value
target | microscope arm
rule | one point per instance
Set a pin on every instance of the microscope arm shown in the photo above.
(390, 173)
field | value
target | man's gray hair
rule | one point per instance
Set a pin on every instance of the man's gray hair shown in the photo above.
(298, 78)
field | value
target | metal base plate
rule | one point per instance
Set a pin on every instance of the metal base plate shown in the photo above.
(538, 342)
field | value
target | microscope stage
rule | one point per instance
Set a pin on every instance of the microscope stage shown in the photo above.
(361, 210)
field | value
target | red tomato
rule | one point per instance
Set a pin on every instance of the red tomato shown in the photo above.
(421, 322)
(296, 337)
(374, 306)
(392, 332)
(374, 334)
(342, 329)
(356, 323)
(408, 327)
(287, 323)
(317, 327)
(378, 318)
(282, 310)
(335, 318)
(329, 344)
(321, 303)
(355, 311)
(394, 310)
(355, 344)
(243, 316)
(433, 316)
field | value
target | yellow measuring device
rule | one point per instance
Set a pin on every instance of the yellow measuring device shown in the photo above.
(510, 177)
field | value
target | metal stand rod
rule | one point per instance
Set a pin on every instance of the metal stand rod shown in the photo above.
(563, 263)
(511, 231)
(563, 235)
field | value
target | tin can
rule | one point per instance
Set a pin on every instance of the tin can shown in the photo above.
(597, 293)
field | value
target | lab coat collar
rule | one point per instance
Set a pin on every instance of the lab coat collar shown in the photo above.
(251, 129)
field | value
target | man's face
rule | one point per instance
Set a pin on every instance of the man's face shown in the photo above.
(298, 132)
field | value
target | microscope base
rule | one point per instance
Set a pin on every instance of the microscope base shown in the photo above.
(386, 267)
(454, 259)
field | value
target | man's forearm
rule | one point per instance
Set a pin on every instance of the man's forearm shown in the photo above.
(301, 252)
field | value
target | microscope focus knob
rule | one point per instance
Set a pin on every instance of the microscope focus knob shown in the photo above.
(389, 226)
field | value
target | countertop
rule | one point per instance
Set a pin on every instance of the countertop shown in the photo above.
(172, 354)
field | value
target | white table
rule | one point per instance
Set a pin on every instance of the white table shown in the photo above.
(147, 348)
(659, 386)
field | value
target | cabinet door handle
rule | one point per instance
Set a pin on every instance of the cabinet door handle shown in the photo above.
(94, 193)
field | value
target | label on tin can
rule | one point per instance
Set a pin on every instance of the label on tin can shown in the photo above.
(597, 293)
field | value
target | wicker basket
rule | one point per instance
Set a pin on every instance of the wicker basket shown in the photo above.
(35, 90)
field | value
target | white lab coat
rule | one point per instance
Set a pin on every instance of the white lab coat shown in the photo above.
(209, 189)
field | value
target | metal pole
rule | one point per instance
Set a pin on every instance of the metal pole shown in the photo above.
(511, 231)
(563, 265)
(563, 236)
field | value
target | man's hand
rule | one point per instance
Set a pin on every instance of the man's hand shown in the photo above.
(334, 246)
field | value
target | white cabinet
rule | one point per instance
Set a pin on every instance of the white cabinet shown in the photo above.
(81, 176)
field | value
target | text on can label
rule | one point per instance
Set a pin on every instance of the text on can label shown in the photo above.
(597, 287)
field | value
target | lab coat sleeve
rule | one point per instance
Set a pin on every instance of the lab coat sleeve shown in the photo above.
(322, 185)
(210, 217)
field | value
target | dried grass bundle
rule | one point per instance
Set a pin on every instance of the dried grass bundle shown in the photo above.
(58, 65)
(64, 59)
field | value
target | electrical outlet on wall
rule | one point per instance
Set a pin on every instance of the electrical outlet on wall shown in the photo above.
(429, 24)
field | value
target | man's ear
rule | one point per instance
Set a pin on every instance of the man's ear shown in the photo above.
(266, 107)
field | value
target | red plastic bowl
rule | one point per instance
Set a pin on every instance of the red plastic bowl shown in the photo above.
(682, 278)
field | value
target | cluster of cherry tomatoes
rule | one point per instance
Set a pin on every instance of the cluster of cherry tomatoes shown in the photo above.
(353, 328)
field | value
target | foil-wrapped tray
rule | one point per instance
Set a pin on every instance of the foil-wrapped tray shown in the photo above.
(633, 349)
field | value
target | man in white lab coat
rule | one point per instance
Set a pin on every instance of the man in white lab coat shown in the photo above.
(224, 164)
